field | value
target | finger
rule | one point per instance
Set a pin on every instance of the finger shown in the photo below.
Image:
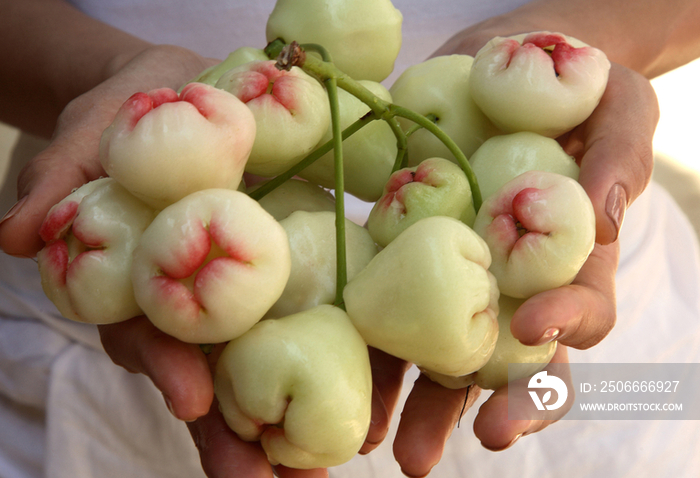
(494, 428)
(578, 315)
(387, 377)
(284, 472)
(179, 370)
(614, 146)
(222, 453)
(428, 418)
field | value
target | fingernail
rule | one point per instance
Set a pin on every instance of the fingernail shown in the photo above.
(169, 403)
(14, 209)
(616, 206)
(548, 336)
(508, 445)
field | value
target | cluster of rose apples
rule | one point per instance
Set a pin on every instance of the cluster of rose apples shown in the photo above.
(174, 234)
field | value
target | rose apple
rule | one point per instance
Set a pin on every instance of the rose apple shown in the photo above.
(291, 112)
(301, 385)
(436, 187)
(503, 157)
(440, 87)
(540, 228)
(236, 58)
(295, 195)
(312, 280)
(546, 82)
(210, 266)
(163, 146)
(363, 36)
(85, 266)
(368, 155)
(429, 298)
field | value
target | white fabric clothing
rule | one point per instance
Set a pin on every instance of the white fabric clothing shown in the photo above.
(67, 411)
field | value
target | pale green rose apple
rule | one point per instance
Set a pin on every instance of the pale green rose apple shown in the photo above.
(85, 266)
(540, 228)
(236, 58)
(368, 155)
(295, 195)
(210, 266)
(429, 298)
(363, 36)
(301, 385)
(496, 373)
(503, 157)
(440, 87)
(291, 111)
(312, 243)
(543, 82)
(163, 145)
(436, 187)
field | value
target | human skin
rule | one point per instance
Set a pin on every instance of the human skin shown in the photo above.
(616, 142)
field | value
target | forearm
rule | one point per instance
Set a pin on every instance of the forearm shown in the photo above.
(648, 36)
(52, 53)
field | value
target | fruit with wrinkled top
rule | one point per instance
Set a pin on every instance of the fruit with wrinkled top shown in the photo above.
(163, 146)
(436, 187)
(540, 229)
(210, 266)
(301, 385)
(85, 266)
(429, 298)
(542, 82)
(291, 111)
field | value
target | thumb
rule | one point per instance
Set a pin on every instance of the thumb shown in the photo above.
(47, 179)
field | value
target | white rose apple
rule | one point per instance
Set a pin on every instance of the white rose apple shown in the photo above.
(291, 111)
(540, 228)
(368, 155)
(503, 157)
(509, 350)
(236, 58)
(363, 36)
(546, 83)
(440, 87)
(312, 280)
(429, 298)
(199, 139)
(85, 266)
(301, 385)
(210, 266)
(295, 195)
(436, 187)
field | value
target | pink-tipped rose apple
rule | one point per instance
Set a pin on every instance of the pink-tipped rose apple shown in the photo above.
(503, 157)
(362, 36)
(291, 111)
(429, 298)
(544, 82)
(163, 146)
(540, 228)
(312, 280)
(440, 87)
(85, 266)
(236, 58)
(436, 187)
(210, 266)
(368, 155)
(295, 195)
(301, 385)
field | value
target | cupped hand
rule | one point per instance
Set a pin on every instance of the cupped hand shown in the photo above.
(71, 159)
(614, 149)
